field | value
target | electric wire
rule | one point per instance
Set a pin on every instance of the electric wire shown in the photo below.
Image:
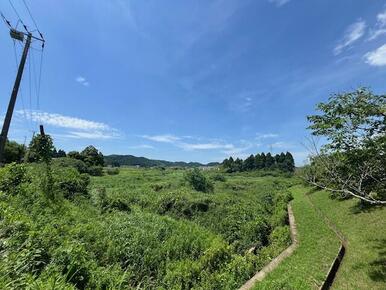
(18, 16)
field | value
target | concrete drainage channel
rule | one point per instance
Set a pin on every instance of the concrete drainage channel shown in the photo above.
(259, 276)
(342, 249)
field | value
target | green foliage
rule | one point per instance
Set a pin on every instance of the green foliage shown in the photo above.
(354, 157)
(41, 148)
(112, 171)
(70, 162)
(13, 152)
(283, 162)
(12, 177)
(199, 181)
(95, 170)
(92, 157)
(132, 234)
(219, 177)
(70, 182)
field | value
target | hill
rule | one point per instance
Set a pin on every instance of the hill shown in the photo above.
(130, 160)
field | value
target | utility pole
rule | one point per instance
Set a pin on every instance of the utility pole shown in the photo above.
(12, 101)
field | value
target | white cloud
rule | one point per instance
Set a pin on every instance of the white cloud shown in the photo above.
(82, 81)
(81, 128)
(380, 26)
(376, 57)
(282, 145)
(92, 135)
(279, 3)
(58, 120)
(354, 32)
(167, 138)
(142, 146)
(205, 146)
(266, 135)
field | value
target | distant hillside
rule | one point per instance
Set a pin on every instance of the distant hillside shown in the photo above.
(130, 160)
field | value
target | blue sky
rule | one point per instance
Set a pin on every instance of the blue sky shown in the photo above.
(190, 80)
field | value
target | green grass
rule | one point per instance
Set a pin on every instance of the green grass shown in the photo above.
(364, 265)
(318, 245)
(139, 229)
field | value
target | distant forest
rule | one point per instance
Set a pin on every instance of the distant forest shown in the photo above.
(283, 161)
(130, 160)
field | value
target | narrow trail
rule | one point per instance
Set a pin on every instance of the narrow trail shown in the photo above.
(260, 275)
(342, 250)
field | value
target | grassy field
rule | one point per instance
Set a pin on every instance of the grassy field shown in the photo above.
(318, 245)
(364, 265)
(149, 229)
(139, 229)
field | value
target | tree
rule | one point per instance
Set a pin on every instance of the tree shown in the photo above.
(249, 163)
(13, 152)
(92, 157)
(353, 160)
(269, 161)
(288, 163)
(61, 153)
(41, 148)
(259, 162)
(74, 155)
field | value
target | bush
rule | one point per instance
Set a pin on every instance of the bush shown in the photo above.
(112, 171)
(71, 162)
(12, 176)
(219, 177)
(198, 181)
(95, 170)
(70, 182)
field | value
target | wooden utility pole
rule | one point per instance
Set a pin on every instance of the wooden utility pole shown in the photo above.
(12, 101)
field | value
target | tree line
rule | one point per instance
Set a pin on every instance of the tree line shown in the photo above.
(283, 161)
(89, 160)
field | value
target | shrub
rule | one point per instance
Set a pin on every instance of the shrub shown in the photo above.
(70, 182)
(198, 181)
(70, 162)
(12, 176)
(95, 170)
(112, 171)
(219, 177)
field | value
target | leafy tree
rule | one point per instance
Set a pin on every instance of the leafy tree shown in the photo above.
(61, 153)
(41, 148)
(92, 157)
(353, 160)
(13, 152)
(74, 155)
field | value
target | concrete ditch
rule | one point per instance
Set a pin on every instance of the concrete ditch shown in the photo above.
(260, 275)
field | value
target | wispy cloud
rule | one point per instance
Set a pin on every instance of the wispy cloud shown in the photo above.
(380, 26)
(187, 143)
(82, 81)
(167, 138)
(279, 3)
(353, 33)
(376, 57)
(260, 136)
(141, 146)
(80, 128)
(282, 145)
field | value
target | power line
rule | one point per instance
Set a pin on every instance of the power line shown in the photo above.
(18, 16)
(30, 14)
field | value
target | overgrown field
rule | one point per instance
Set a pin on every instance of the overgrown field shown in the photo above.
(138, 228)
